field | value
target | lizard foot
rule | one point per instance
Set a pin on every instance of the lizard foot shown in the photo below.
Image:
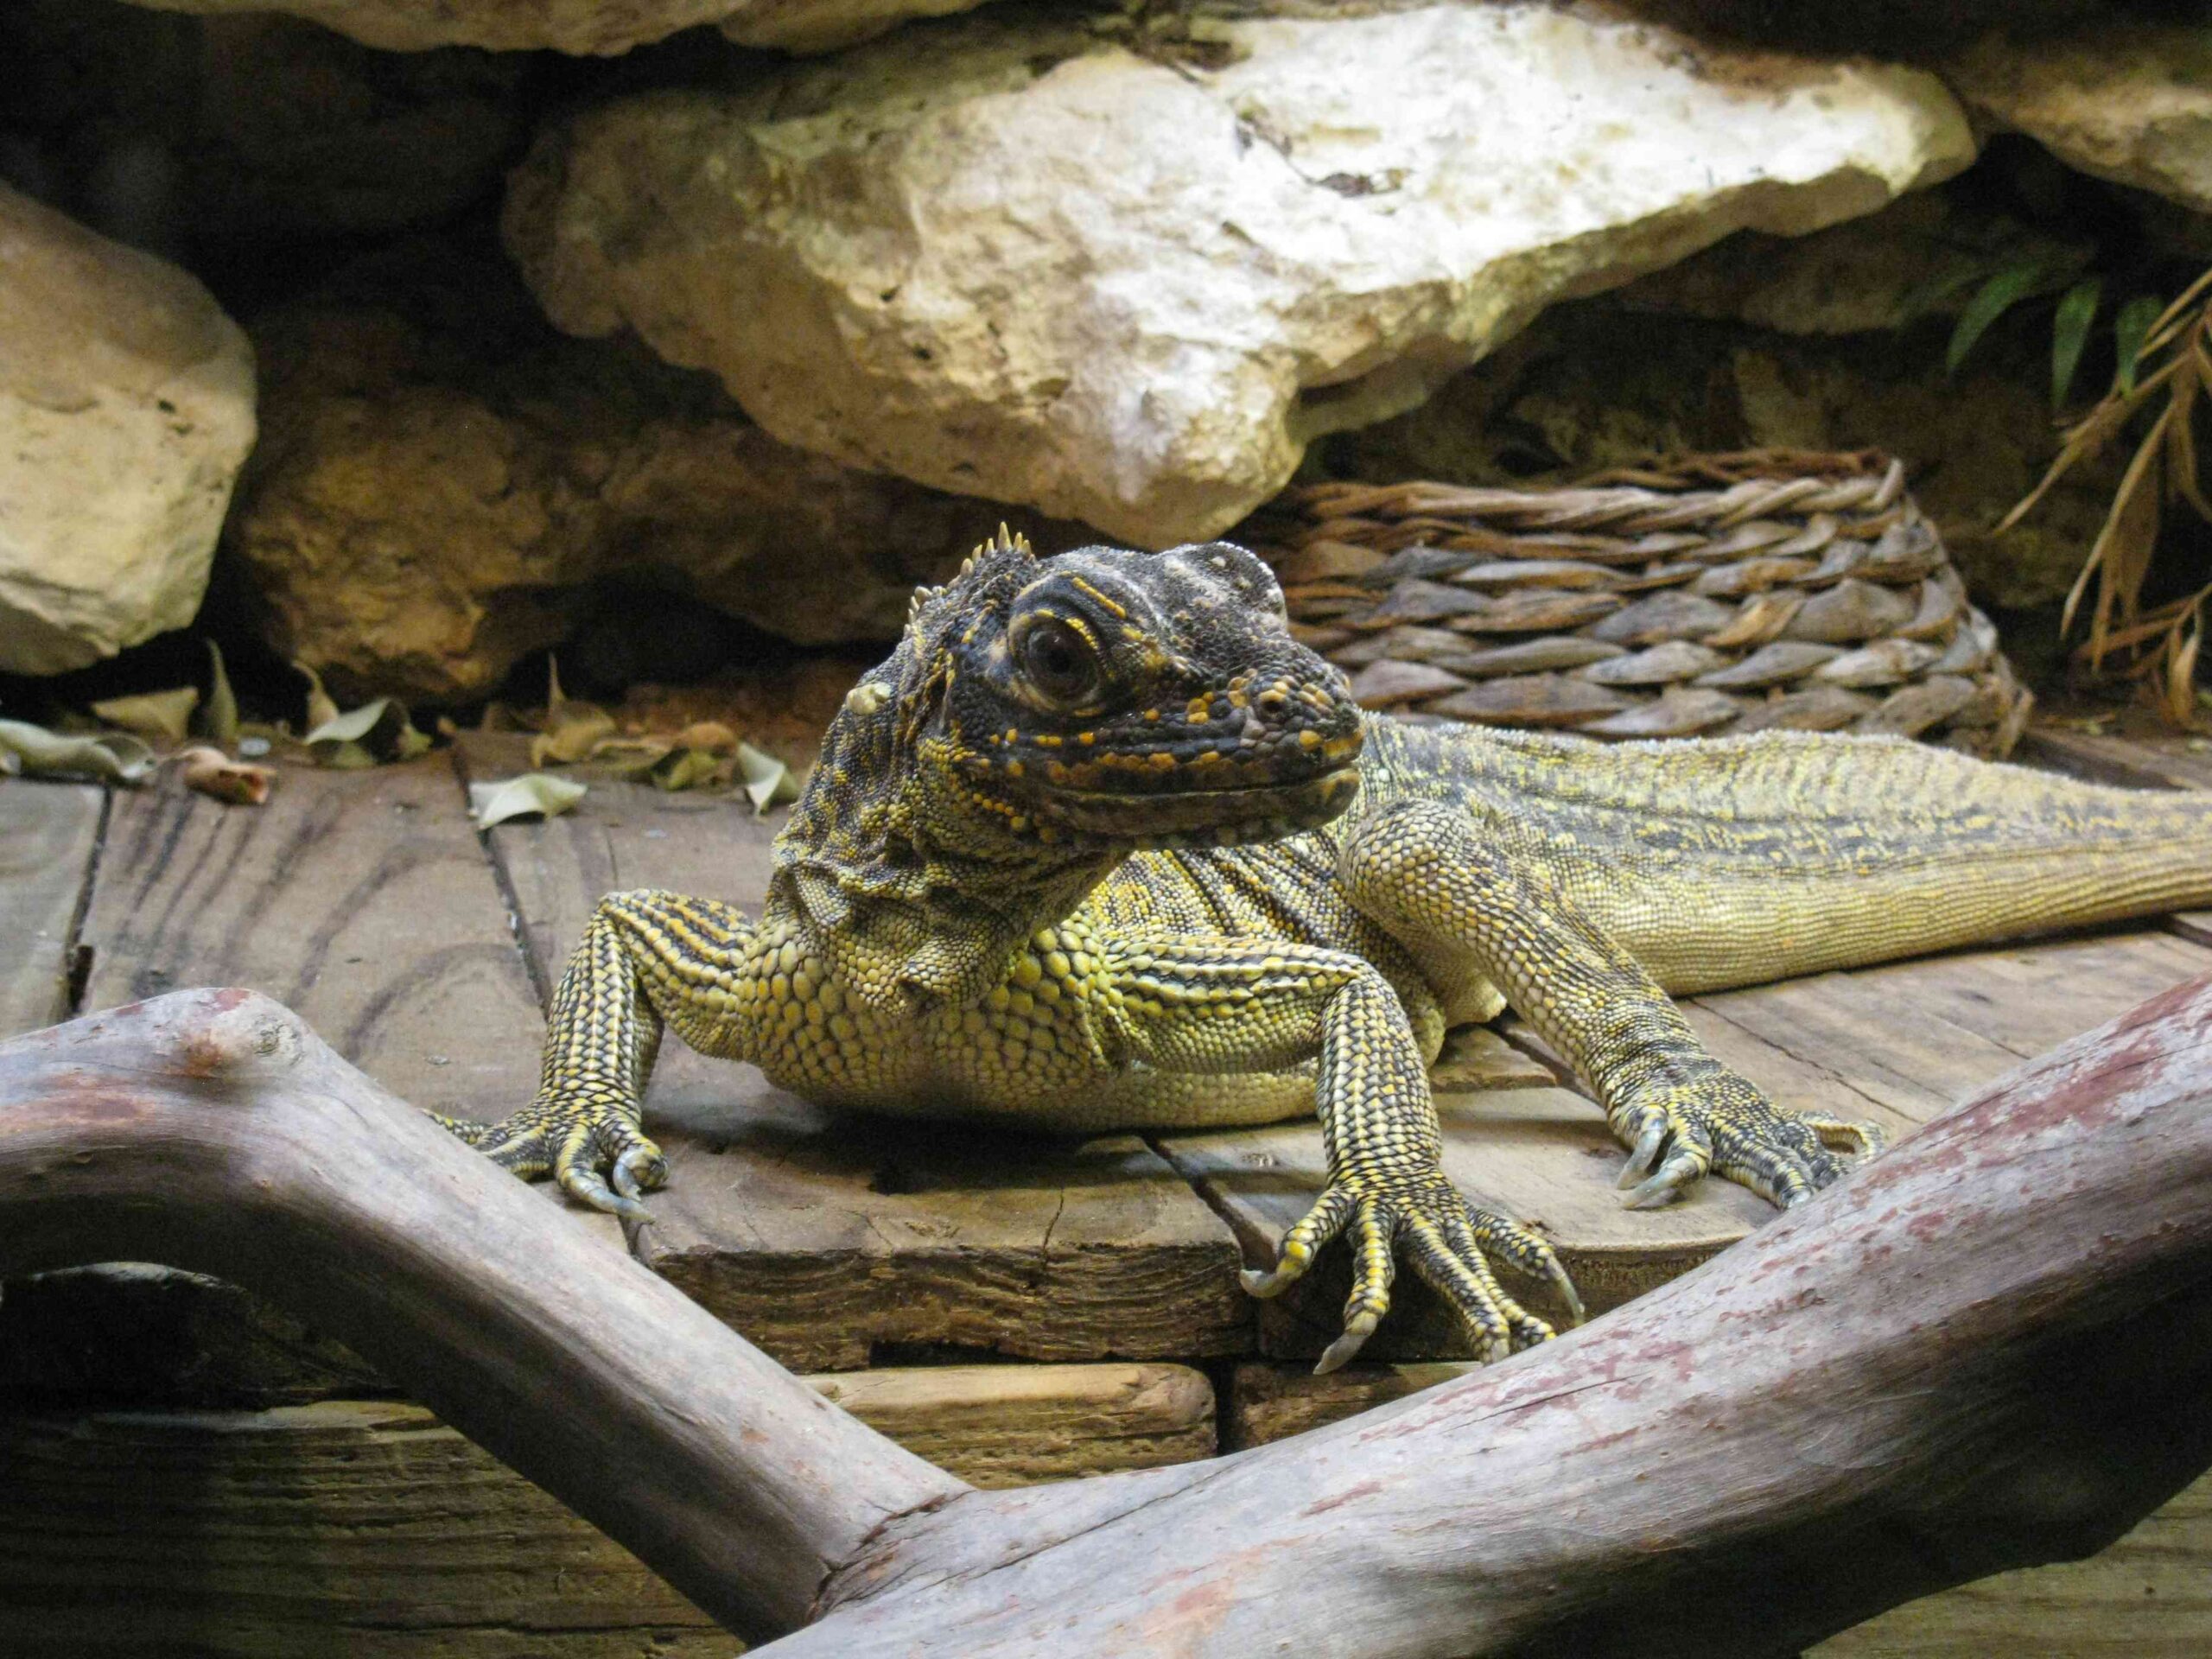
(1447, 1239)
(591, 1146)
(1722, 1123)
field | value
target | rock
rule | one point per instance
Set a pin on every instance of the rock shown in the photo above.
(126, 407)
(446, 484)
(164, 131)
(588, 26)
(2129, 101)
(1127, 277)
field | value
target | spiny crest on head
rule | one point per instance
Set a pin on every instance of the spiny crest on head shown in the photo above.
(987, 553)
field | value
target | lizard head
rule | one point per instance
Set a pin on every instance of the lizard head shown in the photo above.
(1109, 698)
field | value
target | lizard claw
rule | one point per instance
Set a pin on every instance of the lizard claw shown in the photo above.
(1722, 1124)
(1450, 1244)
(583, 1144)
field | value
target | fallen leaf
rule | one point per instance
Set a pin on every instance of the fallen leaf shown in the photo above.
(163, 714)
(572, 729)
(513, 798)
(321, 709)
(766, 779)
(212, 772)
(686, 769)
(218, 717)
(709, 735)
(365, 736)
(114, 755)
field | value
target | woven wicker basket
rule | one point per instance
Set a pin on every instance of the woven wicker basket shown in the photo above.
(1724, 594)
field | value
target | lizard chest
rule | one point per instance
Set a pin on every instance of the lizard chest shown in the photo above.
(1038, 1030)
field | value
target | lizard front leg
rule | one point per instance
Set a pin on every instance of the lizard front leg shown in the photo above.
(1230, 1005)
(646, 959)
(1428, 874)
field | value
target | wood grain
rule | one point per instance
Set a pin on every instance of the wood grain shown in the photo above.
(361, 899)
(831, 1239)
(371, 1529)
(48, 836)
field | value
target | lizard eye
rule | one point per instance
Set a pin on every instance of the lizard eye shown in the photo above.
(1059, 661)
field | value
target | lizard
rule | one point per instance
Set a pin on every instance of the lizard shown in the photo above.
(1100, 846)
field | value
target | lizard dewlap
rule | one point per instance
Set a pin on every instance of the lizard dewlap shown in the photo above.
(1102, 847)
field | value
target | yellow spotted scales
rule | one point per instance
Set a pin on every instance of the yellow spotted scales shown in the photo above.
(1101, 847)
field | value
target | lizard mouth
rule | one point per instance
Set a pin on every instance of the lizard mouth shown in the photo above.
(1211, 816)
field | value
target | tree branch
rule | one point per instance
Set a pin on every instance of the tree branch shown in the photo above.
(1989, 1349)
(214, 1130)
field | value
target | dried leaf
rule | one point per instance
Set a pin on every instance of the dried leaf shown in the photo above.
(539, 792)
(632, 756)
(766, 779)
(366, 736)
(115, 756)
(322, 710)
(573, 728)
(219, 717)
(709, 735)
(212, 772)
(166, 715)
(688, 769)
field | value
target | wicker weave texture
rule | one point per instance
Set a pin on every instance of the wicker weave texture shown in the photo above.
(1733, 593)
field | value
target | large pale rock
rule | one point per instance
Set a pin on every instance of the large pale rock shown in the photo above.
(588, 26)
(126, 406)
(2126, 101)
(1127, 279)
(445, 484)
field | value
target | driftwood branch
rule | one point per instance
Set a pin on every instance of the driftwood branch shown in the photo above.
(212, 1130)
(1988, 1349)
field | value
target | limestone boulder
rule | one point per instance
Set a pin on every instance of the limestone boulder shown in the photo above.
(2129, 101)
(1127, 277)
(445, 483)
(587, 27)
(126, 408)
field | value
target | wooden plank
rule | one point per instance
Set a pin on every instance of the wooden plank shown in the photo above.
(1270, 1401)
(371, 1529)
(366, 902)
(827, 1238)
(127, 1333)
(1543, 1154)
(1017, 1425)
(361, 899)
(2147, 1596)
(49, 834)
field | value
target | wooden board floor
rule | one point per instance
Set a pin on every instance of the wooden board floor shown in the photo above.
(423, 951)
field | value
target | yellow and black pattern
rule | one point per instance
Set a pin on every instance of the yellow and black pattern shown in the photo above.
(1101, 847)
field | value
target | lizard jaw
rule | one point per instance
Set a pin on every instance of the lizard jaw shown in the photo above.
(1202, 817)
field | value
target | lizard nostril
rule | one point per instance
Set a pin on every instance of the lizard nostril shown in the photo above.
(1273, 701)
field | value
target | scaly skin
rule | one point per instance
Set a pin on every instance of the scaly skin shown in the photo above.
(1099, 846)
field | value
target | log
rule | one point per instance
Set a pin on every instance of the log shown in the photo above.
(212, 1130)
(1989, 1349)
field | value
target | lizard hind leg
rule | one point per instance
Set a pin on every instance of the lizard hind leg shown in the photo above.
(1447, 881)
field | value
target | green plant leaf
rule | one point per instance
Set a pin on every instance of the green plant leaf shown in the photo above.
(539, 792)
(2069, 336)
(2129, 330)
(219, 716)
(114, 755)
(1991, 300)
(163, 714)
